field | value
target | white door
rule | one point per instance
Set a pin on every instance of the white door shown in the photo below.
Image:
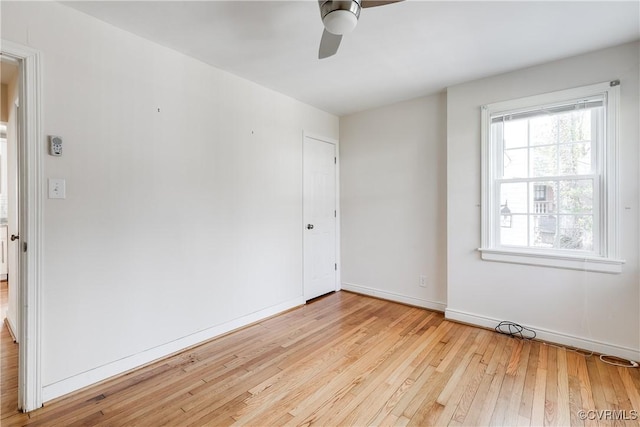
(14, 134)
(319, 213)
(14, 244)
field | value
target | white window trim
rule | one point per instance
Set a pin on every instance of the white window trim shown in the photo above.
(609, 261)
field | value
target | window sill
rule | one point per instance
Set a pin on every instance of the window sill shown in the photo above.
(570, 262)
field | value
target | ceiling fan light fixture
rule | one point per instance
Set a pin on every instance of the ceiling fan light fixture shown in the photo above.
(340, 21)
(340, 17)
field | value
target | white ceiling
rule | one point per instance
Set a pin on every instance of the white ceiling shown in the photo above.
(396, 52)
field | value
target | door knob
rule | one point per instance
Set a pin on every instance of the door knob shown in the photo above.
(309, 226)
(14, 237)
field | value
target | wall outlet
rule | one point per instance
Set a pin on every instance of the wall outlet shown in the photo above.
(423, 281)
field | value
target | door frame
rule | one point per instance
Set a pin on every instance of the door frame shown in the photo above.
(30, 200)
(336, 144)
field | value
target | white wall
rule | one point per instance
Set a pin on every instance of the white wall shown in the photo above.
(592, 310)
(393, 201)
(184, 196)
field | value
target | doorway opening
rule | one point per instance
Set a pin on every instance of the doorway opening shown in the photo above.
(9, 269)
(25, 269)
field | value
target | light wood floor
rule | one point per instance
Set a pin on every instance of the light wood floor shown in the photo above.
(343, 360)
(8, 364)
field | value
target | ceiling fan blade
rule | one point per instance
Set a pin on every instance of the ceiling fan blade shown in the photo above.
(374, 3)
(328, 44)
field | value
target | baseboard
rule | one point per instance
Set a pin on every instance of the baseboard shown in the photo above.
(11, 328)
(550, 336)
(391, 296)
(84, 379)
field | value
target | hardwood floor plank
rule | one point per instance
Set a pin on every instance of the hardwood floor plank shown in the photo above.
(460, 367)
(514, 416)
(501, 406)
(633, 392)
(479, 400)
(492, 395)
(424, 408)
(385, 415)
(454, 350)
(373, 375)
(586, 394)
(8, 365)
(400, 382)
(413, 395)
(456, 398)
(575, 399)
(607, 384)
(599, 399)
(345, 359)
(623, 398)
(392, 376)
(539, 402)
(564, 410)
(422, 375)
(526, 401)
(551, 394)
(317, 377)
(214, 414)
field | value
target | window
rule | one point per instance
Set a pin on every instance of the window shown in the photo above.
(549, 184)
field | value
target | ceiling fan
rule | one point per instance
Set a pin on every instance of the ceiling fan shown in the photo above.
(340, 17)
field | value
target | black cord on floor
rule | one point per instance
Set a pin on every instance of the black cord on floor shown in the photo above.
(515, 331)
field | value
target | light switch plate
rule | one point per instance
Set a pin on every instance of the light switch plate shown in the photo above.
(57, 188)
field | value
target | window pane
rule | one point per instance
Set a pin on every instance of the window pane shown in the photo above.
(575, 126)
(543, 130)
(544, 161)
(543, 231)
(515, 163)
(513, 196)
(516, 133)
(576, 196)
(576, 232)
(575, 159)
(543, 197)
(516, 234)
